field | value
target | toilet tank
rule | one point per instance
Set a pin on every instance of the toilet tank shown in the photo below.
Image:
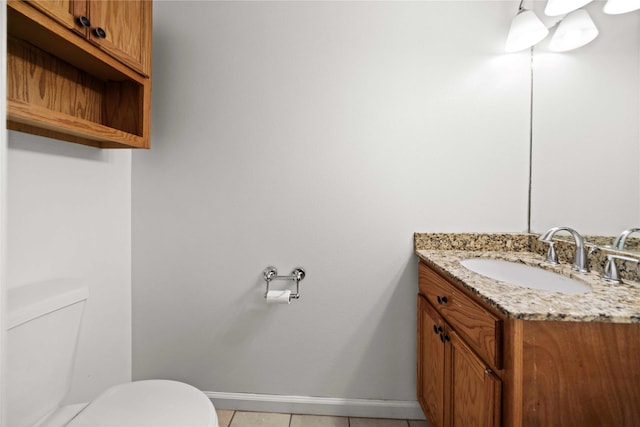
(43, 324)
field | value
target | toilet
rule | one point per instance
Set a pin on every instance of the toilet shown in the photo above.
(43, 324)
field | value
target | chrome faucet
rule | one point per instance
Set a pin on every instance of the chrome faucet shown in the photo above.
(580, 262)
(622, 238)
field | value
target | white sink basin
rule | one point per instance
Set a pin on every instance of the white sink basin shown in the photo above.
(524, 275)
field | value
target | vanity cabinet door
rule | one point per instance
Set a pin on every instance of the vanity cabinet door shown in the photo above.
(431, 359)
(476, 392)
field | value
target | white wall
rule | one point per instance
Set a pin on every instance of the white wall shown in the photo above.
(69, 215)
(3, 202)
(319, 134)
(586, 133)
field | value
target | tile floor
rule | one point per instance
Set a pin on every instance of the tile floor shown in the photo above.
(266, 419)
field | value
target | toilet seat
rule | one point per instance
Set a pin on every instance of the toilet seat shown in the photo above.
(157, 403)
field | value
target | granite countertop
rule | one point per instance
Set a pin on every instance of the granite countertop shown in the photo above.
(617, 303)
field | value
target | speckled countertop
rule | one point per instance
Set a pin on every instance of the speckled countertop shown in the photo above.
(605, 303)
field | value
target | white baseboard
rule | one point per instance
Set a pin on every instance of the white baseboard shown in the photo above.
(368, 408)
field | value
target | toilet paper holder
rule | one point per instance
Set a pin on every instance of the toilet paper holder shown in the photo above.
(271, 273)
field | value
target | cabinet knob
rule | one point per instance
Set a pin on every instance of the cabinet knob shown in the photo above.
(437, 329)
(83, 21)
(100, 33)
(444, 338)
(442, 299)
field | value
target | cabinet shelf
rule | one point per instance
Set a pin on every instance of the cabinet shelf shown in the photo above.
(44, 122)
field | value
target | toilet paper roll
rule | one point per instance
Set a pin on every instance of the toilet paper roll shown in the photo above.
(278, 297)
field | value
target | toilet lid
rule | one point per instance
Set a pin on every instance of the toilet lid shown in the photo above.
(158, 403)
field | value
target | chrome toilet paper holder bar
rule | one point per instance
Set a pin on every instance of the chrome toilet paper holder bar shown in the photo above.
(271, 273)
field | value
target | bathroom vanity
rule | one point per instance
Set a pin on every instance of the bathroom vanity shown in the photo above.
(493, 354)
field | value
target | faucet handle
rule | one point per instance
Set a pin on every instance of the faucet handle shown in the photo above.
(552, 255)
(611, 274)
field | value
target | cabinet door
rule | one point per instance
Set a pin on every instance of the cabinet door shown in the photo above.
(431, 356)
(126, 31)
(476, 392)
(66, 12)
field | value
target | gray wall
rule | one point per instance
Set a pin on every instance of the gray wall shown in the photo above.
(69, 216)
(320, 134)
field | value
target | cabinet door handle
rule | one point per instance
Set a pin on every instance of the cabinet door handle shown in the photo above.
(437, 329)
(100, 33)
(444, 337)
(83, 21)
(442, 299)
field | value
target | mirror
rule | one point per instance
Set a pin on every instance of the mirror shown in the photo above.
(628, 241)
(586, 131)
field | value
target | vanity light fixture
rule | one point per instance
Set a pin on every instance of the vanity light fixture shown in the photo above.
(562, 7)
(526, 30)
(616, 7)
(574, 30)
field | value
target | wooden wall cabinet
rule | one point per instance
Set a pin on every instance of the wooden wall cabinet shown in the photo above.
(476, 367)
(120, 28)
(80, 70)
